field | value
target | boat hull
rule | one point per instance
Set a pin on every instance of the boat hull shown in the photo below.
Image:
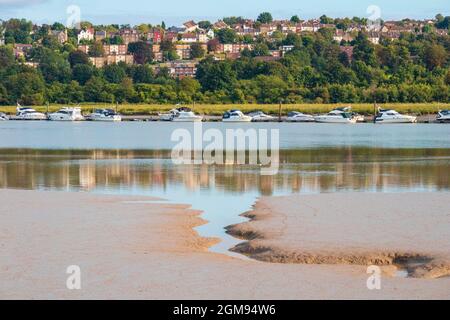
(335, 121)
(396, 121)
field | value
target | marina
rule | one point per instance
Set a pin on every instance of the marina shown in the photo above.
(343, 115)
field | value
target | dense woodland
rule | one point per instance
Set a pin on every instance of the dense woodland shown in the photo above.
(413, 69)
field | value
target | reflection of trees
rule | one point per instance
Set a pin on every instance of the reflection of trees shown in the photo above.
(301, 171)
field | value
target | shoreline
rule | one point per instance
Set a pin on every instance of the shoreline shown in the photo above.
(128, 249)
(267, 237)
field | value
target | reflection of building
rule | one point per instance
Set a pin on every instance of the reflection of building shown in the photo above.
(303, 171)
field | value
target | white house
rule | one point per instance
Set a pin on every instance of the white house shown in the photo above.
(86, 34)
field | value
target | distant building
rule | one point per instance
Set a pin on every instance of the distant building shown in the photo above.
(129, 36)
(189, 38)
(179, 69)
(21, 49)
(61, 36)
(86, 34)
(100, 62)
(190, 26)
(101, 35)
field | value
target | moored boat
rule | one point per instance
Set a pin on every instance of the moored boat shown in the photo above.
(295, 116)
(392, 116)
(105, 115)
(3, 117)
(185, 115)
(443, 116)
(339, 115)
(66, 114)
(26, 113)
(260, 116)
(235, 116)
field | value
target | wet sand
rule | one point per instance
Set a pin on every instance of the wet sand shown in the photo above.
(410, 230)
(132, 250)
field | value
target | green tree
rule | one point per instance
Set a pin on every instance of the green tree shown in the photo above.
(82, 73)
(114, 73)
(265, 17)
(295, 19)
(434, 56)
(226, 35)
(78, 57)
(142, 52)
(54, 67)
(197, 51)
(96, 49)
(215, 75)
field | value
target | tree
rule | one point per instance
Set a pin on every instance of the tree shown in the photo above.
(82, 73)
(265, 17)
(364, 50)
(205, 24)
(6, 57)
(435, 56)
(26, 87)
(443, 23)
(96, 49)
(226, 35)
(260, 49)
(141, 51)
(94, 88)
(114, 73)
(78, 57)
(326, 20)
(295, 19)
(197, 51)
(142, 74)
(215, 75)
(54, 67)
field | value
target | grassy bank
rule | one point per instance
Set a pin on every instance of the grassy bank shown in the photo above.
(219, 109)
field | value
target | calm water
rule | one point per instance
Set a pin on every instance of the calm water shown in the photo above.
(129, 158)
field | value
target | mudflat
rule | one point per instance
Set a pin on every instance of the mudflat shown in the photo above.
(129, 248)
(408, 230)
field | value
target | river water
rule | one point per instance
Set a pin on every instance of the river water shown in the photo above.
(134, 159)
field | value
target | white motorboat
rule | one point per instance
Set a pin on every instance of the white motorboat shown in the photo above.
(67, 114)
(3, 117)
(295, 116)
(26, 113)
(340, 115)
(392, 116)
(358, 117)
(185, 115)
(105, 115)
(443, 116)
(236, 116)
(260, 116)
(168, 116)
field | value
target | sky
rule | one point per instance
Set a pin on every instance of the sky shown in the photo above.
(175, 12)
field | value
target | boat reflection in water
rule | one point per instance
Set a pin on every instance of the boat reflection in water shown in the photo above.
(310, 170)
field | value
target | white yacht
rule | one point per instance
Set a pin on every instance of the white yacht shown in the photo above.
(236, 116)
(67, 114)
(295, 116)
(26, 113)
(185, 115)
(3, 117)
(392, 116)
(168, 116)
(443, 116)
(358, 117)
(340, 115)
(106, 115)
(260, 116)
